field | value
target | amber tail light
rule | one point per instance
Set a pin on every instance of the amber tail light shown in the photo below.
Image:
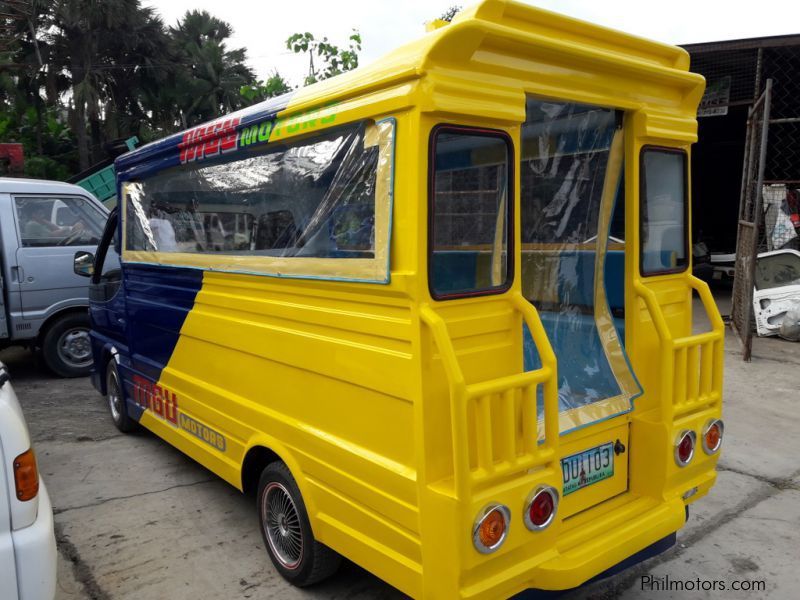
(26, 476)
(491, 528)
(712, 436)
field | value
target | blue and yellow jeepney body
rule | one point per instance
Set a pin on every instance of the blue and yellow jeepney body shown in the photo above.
(433, 287)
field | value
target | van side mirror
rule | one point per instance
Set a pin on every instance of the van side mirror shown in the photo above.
(83, 264)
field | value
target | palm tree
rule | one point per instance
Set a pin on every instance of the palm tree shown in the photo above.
(211, 74)
(140, 63)
(78, 26)
(106, 46)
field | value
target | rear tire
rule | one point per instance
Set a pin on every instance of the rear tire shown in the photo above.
(299, 558)
(66, 346)
(117, 407)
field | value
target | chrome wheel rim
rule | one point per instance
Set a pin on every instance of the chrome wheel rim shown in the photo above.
(281, 522)
(114, 397)
(75, 348)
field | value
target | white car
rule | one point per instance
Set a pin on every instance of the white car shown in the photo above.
(27, 540)
(776, 289)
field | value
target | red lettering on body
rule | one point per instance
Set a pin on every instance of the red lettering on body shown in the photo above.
(171, 413)
(209, 140)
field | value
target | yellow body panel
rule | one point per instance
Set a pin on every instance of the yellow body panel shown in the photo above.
(378, 397)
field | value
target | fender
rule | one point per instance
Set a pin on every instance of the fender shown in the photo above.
(287, 456)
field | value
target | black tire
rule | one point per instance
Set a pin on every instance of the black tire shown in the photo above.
(117, 408)
(66, 347)
(282, 518)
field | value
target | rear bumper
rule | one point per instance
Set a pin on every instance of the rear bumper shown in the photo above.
(577, 565)
(640, 526)
(35, 553)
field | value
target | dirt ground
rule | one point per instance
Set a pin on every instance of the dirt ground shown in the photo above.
(136, 519)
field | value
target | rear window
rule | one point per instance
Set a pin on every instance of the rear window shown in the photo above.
(470, 211)
(663, 210)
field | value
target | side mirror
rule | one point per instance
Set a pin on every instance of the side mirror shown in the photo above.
(83, 264)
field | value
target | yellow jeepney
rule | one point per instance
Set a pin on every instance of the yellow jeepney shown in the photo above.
(435, 313)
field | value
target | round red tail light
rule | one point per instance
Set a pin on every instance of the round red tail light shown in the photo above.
(541, 507)
(491, 528)
(684, 447)
(712, 436)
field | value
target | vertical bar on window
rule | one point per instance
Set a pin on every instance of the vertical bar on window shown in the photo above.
(692, 373)
(483, 432)
(706, 366)
(509, 429)
(679, 385)
(530, 420)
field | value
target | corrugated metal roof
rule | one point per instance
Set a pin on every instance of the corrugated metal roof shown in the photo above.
(775, 41)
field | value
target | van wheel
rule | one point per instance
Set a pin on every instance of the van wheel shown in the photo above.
(116, 400)
(286, 530)
(66, 346)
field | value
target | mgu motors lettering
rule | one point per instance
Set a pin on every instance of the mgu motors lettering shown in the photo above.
(161, 401)
(219, 137)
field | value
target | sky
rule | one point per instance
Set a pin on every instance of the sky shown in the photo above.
(262, 26)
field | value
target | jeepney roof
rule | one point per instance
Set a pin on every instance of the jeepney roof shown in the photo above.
(499, 41)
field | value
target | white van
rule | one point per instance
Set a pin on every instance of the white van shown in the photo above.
(43, 304)
(27, 539)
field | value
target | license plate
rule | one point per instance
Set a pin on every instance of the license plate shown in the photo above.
(587, 467)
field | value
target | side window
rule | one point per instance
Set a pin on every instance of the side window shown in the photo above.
(663, 211)
(110, 269)
(276, 229)
(63, 221)
(470, 211)
(308, 198)
(317, 205)
(778, 270)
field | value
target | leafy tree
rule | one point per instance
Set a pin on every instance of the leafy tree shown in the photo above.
(81, 30)
(450, 13)
(275, 85)
(212, 75)
(331, 59)
(21, 84)
(48, 143)
(138, 65)
(77, 74)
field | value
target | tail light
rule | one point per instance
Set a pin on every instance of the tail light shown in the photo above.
(491, 528)
(712, 436)
(541, 507)
(684, 447)
(26, 476)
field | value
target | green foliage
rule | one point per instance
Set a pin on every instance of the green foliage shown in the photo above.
(275, 85)
(212, 75)
(331, 59)
(58, 158)
(86, 73)
(450, 13)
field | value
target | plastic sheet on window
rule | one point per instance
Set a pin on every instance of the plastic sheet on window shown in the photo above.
(319, 207)
(572, 268)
